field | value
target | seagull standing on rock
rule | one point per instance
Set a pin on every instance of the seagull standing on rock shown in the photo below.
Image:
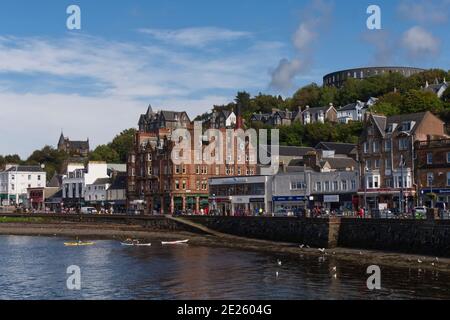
(322, 250)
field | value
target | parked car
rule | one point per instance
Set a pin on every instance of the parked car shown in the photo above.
(88, 210)
(420, 212)
(283, 213)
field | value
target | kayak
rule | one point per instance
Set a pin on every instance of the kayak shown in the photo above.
(136, 244)
(78, 244)
(174, 242)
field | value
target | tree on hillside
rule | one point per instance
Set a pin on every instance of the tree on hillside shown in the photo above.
(389, 104)
(446, 96)
(122, 144)
(306, 96)
(105, 153)
(52, 158)
(418, 101)
(9, 159)
(419, 79)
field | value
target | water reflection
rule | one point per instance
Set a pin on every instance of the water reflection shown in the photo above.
(35, 268)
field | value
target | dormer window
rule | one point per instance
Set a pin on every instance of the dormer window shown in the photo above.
(407, 126)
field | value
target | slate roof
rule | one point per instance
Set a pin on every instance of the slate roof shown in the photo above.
(338, 148)
(21, 168)
(79, 145)
(339, 163)
(291, 151)
(100, 181)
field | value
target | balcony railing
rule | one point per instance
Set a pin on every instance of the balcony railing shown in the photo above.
(434, 143)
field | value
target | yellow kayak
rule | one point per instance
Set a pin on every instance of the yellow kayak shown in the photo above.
(78, 244)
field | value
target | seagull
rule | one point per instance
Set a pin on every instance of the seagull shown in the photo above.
(437, 259)
(322, 250)
(335, 275)
(360, 253)
(302, 246)
(334, 269)
(279, 262)
(276, 274)
(308, 246)
(432, 264)
(419, 261)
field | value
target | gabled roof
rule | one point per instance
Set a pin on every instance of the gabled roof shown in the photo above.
(102, 181)
(352, 106)
(21, 168)
(339, 163)
(79, 145)
(338, 148)
(290, 151)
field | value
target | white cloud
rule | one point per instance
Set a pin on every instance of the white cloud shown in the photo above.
(318, 14)
(425, 11)
(285, 72)
(93, 87)
(419, 43)
(195, 37)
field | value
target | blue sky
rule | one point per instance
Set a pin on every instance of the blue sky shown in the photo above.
(187, 55)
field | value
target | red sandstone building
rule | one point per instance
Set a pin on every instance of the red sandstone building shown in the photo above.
(433, 170)
(162, 180)
(387, 164)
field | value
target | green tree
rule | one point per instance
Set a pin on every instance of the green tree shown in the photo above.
(306, 96)
(122, 144)
(52, 159)
(446, 96)
(105, 153)
(419, 101)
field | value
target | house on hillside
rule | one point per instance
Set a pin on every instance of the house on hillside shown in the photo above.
(319, 114)
(437, 88)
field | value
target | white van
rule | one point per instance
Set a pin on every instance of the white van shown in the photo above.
(88, 210)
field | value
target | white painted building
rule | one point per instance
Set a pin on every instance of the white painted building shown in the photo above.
(96, 192)
(354, 111)
(15, 181)
(76, 179)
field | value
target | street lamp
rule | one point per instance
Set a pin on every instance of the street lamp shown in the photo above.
(402, 166)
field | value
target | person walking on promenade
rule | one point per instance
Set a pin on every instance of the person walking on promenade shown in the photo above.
(361, 213)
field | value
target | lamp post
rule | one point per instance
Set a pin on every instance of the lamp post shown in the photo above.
(402, 166)
(430, 181)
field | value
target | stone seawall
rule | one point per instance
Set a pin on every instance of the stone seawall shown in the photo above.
(312, 232)
(406, 236)
(403, 236)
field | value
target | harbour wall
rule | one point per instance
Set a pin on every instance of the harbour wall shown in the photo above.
(427, 237)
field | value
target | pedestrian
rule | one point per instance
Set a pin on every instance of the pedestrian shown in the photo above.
(361, 213)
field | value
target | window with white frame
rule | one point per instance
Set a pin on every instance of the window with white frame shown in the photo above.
(403, 143)
(375, 146)
(429, 158)
(387, 145)
(366, 147)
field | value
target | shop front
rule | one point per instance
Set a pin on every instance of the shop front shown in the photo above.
(442, 195)
(292, 204)
(381, 199)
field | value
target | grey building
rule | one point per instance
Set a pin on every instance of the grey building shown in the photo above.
(303, 188)
(338, 78)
